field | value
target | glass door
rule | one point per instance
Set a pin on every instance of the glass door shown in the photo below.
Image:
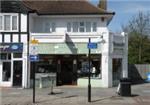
(17, 73)
(6, 73)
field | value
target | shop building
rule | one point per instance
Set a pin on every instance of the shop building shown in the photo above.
(13, 45)
(63, 29)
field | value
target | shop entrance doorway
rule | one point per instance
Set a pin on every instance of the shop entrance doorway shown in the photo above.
(17, 73)
(66, 74)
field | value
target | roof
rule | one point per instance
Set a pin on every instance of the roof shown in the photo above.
(63, 7)
(12, 6)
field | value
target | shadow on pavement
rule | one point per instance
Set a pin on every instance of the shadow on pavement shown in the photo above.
(55, 93)
(70, 96)
(102, 99)
(134, 95)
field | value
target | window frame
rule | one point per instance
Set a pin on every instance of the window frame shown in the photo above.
(1, 25)
(86, 28)
(69, 27)
(74, 28)
(94, 29)
(11, 15)
(53, 27)
(82, 26)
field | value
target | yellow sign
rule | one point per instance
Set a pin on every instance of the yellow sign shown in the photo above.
(34, 41)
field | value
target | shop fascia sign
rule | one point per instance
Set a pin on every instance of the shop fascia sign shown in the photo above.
(11, 47)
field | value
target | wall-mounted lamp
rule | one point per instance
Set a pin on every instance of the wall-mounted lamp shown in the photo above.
(101, 39)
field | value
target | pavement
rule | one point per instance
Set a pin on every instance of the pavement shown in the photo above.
(73, 95)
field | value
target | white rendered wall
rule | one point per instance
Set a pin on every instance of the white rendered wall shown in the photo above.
(23, 23)
(125, 57)
(7, 38)
(0, 38)
(106, 62)
(37, 29)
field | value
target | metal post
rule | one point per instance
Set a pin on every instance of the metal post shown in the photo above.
(89, 76)
(34, 81)
(52, 86)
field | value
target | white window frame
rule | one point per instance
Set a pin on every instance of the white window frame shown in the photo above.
(93, 27)
(53, 24)
(84, 26)
(50, 26)
(77, 27)
(2, 22)
(11, 15)
(69, 23)
(90, 26)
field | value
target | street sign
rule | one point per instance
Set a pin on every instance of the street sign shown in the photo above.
(34, 47)
(34, 58)
(92, 45)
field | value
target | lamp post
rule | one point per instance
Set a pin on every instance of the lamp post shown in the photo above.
(91, 46)
(89, 74)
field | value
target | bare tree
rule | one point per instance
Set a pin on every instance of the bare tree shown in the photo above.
(138, 29)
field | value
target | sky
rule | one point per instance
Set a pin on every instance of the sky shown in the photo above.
(124, 11)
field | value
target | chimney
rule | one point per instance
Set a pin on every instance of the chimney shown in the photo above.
(103, 4)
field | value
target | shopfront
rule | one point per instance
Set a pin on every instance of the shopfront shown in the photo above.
(11, 64)
(68, 68)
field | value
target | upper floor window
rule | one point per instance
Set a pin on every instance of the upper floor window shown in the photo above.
(50, 27)
(53, 27)
(1, 21)
(82, 27)
(8, 22)
(68, 27)
(75, 26)
(88, 26)
(94, 27)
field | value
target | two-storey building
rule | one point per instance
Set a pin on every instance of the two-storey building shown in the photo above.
(63, 29)
(13, 44)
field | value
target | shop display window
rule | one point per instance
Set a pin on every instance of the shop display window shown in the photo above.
(5, 56)
(83, 69)
(6, 71)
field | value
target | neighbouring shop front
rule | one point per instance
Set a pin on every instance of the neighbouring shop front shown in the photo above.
(11, 64)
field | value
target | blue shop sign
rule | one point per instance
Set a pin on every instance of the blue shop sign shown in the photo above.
(11, 47)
